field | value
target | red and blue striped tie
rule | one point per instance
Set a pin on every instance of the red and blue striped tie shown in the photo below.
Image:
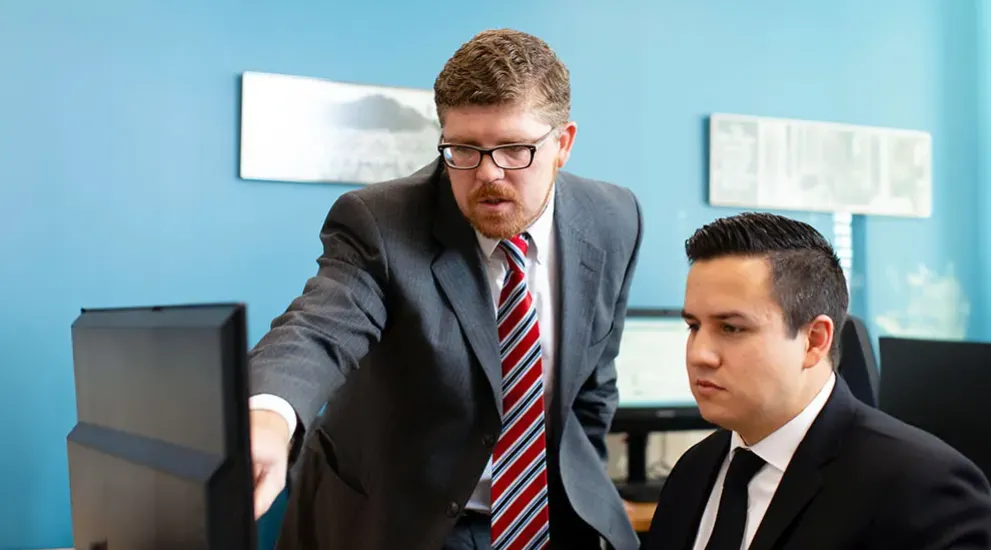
(519, 481)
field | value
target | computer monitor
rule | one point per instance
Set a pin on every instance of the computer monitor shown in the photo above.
(654, 392)
(160, 455)
(940, 387)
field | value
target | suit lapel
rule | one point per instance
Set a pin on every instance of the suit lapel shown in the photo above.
(580, 263)
(461, 276)
(800, 483)
(690, 505)
(803, 477)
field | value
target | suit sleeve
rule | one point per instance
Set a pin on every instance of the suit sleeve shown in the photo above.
(313, 346)
(598, 397)
(949, 510)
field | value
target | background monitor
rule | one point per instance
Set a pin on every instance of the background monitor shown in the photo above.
(654, 392)
(160, 457)
(942, 388)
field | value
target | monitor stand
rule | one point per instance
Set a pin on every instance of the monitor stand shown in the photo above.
(637, 488)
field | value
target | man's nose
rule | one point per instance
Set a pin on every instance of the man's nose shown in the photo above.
(700, 351)
(487, 170)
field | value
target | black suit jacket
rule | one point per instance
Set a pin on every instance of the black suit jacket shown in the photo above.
(859, 480)
(396, 333)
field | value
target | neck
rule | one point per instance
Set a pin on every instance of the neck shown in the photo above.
(771, 422)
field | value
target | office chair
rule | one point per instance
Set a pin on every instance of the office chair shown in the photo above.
(858, 366)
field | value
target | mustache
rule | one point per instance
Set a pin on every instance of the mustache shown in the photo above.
(491, 191)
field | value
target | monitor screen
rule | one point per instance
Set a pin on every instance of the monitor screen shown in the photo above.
(939, 386)
(654, 392)
(651, 363)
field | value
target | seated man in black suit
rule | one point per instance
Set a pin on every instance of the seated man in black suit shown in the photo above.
(800, 464)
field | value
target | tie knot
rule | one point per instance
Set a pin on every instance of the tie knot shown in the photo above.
(743, 468)
(515, 249)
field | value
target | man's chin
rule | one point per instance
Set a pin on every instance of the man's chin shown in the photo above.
(717, 415)
(497, 227)
(497, 232)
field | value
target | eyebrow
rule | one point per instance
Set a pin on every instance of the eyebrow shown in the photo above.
(460, 141)
(721, 316)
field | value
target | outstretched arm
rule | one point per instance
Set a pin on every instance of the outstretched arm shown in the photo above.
(312, 348)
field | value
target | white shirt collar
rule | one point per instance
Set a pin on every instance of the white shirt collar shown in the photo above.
(778, 448)
(541, 231)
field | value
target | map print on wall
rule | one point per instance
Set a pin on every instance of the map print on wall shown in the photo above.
(786, 164)
(302, 129)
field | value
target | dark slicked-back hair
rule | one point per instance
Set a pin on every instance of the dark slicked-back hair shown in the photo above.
(807, 280)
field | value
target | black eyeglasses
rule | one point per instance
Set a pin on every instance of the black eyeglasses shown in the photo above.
(512, 156)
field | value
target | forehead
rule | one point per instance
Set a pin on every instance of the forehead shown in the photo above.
(729, 284)
(493, 125)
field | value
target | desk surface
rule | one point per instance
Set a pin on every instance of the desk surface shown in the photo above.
(641, 514)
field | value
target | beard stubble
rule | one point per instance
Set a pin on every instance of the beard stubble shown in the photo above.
(500, 226)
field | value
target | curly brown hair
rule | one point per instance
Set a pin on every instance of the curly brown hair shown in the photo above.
(505, 67)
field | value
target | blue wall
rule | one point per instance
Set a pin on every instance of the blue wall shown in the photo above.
(932, 84)
(984, 118)
(119, 141)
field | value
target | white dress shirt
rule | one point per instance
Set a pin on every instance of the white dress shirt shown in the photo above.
(541, 263)
(776, 450)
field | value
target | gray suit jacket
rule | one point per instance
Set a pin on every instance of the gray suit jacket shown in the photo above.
(396, 334)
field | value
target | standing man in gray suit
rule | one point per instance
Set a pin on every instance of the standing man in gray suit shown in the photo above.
(461, 330)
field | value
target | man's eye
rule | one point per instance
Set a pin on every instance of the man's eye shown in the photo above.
(732, 329)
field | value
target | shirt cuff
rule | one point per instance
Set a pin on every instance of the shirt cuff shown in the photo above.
(276, 404)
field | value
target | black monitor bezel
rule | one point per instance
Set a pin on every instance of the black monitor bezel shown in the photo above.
(230, 506)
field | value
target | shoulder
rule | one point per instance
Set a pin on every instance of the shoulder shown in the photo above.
(916, 466)
(604, 198)
(394, 197)
(603, 210)
(930, 491)
(911, 452)
(399, 209)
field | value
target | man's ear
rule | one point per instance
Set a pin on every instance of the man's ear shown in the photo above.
(566, 140)
(819, 336)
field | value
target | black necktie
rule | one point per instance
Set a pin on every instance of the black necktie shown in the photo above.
(731, 519)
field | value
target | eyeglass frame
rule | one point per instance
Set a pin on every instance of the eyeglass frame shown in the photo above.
(483, 152)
